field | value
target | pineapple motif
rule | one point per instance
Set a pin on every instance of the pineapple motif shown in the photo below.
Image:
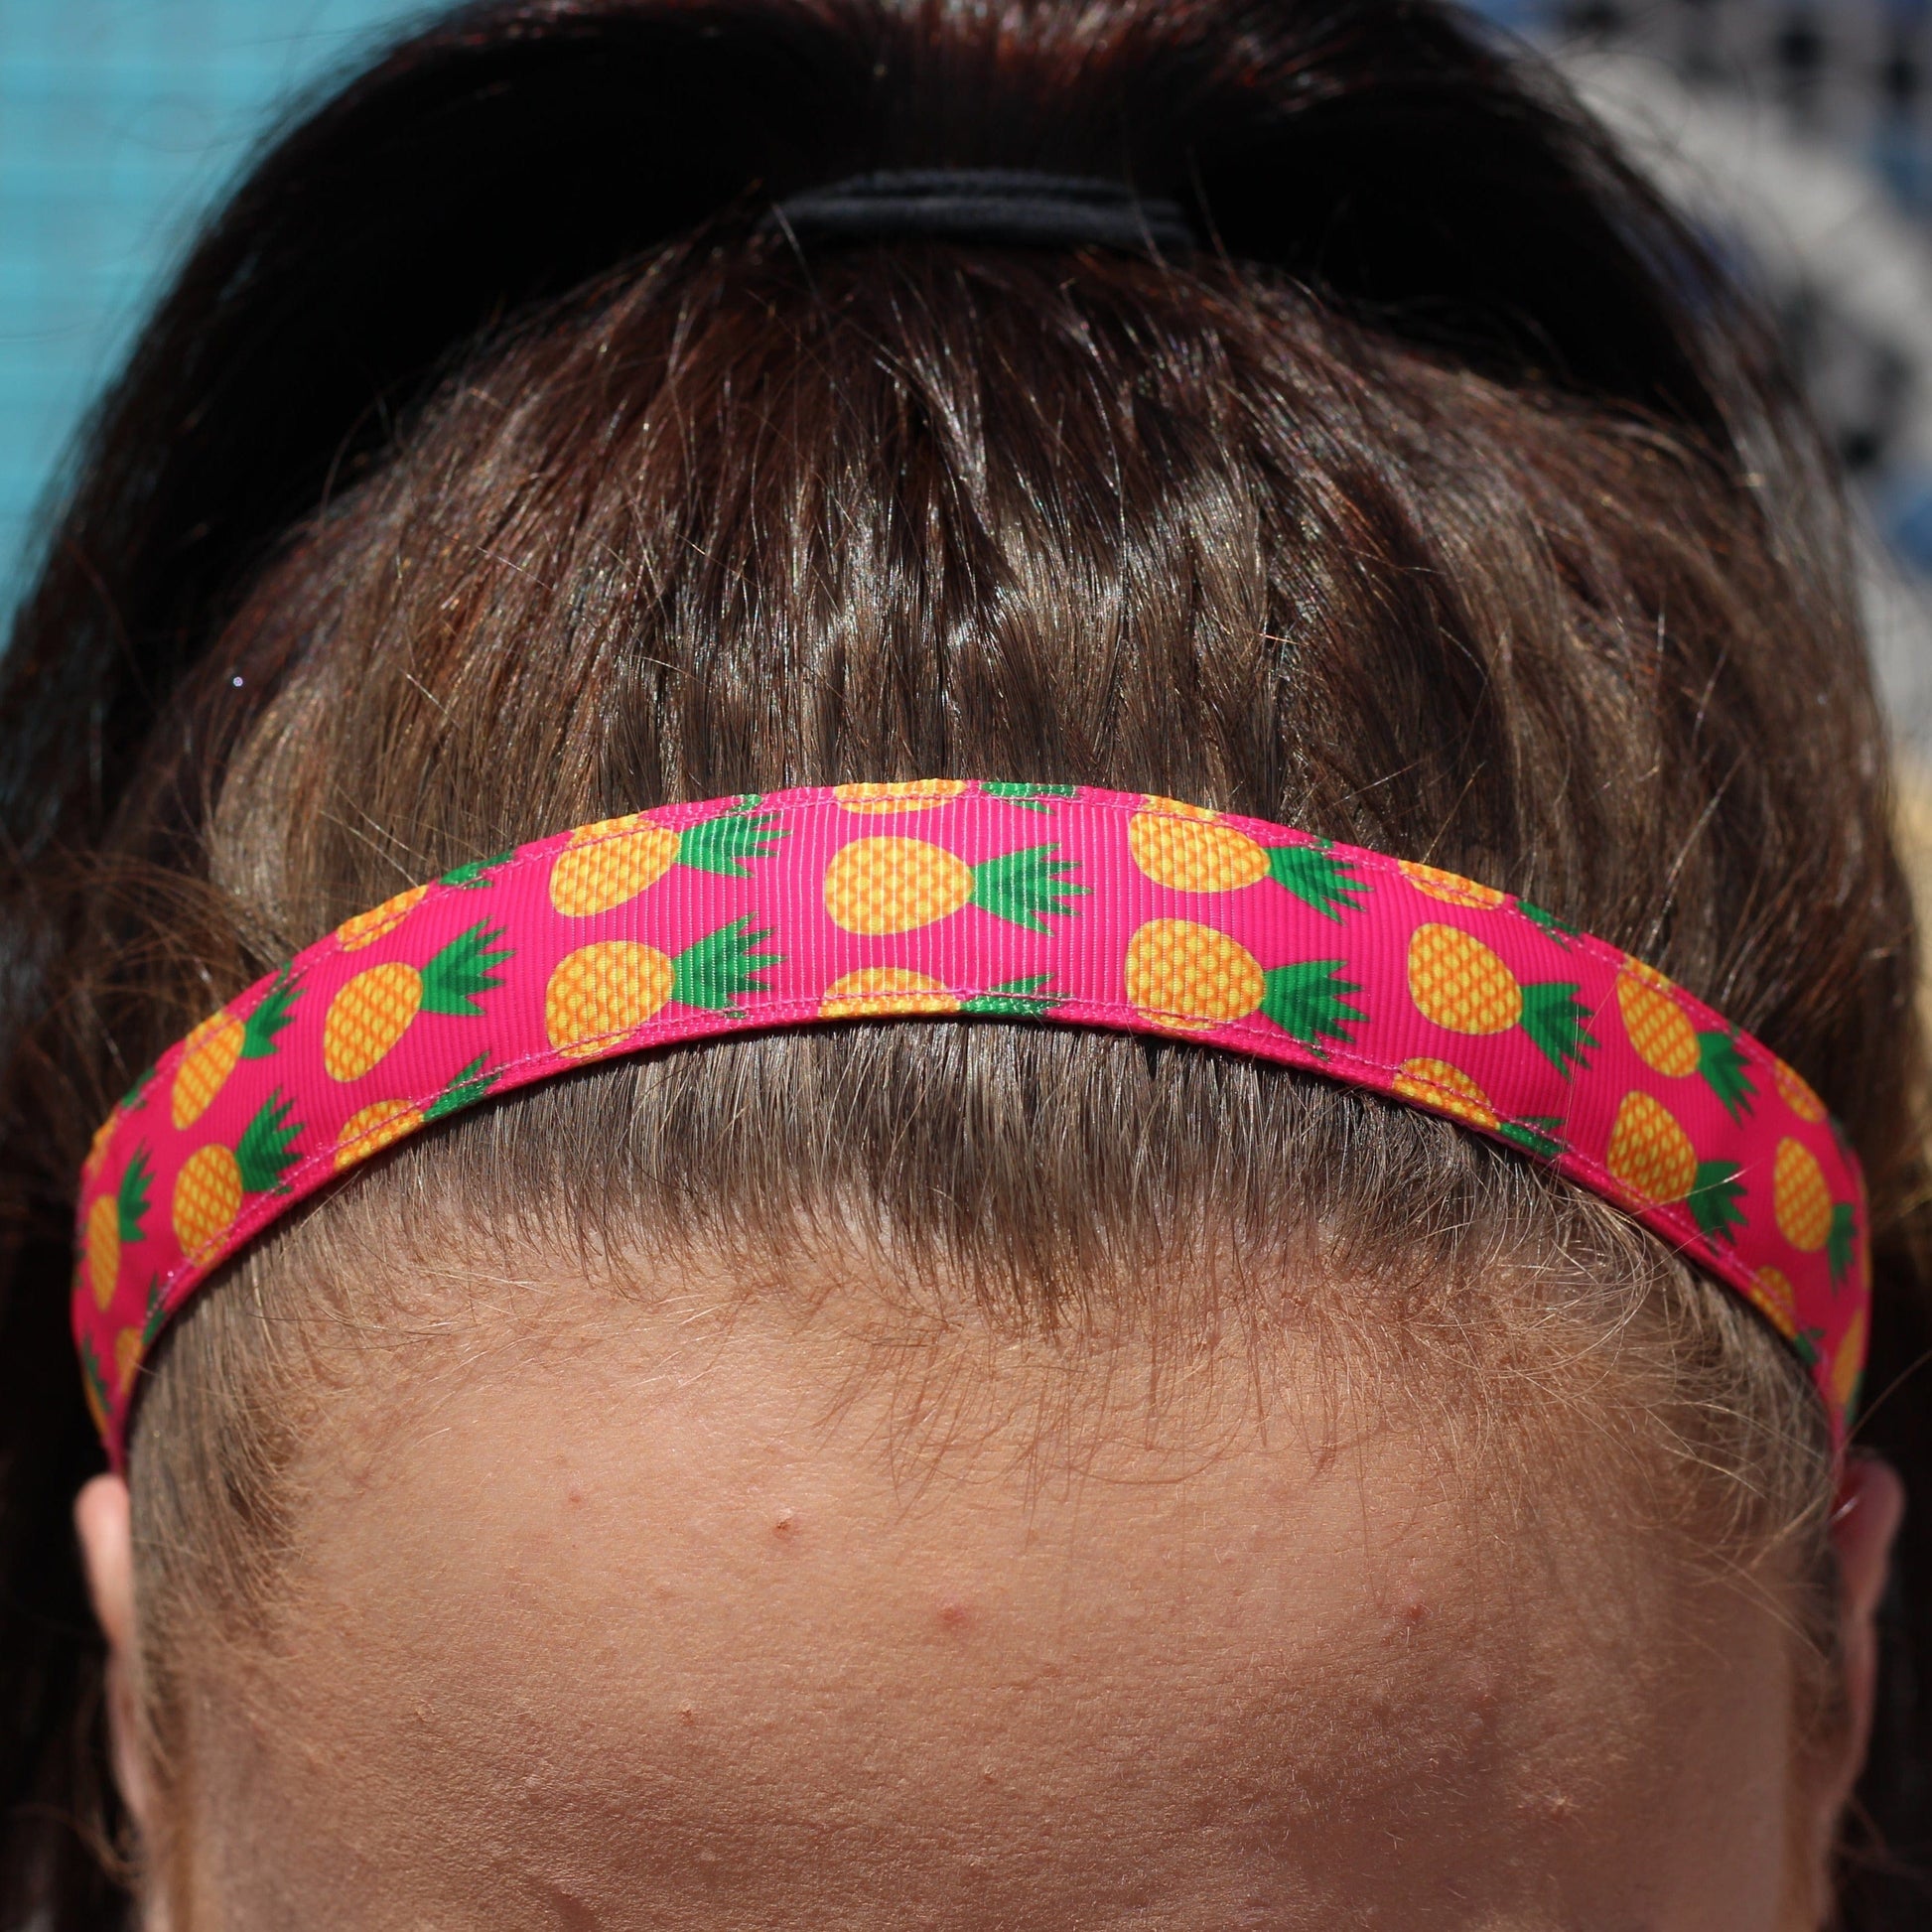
(1807, 1216)
(1661, 1033)
(215, 1048)
(94, 1382)
(1796, 1093)
(615, 860)
(1462, 986)
(896, 885)
(114, 1220)
(908, 795)
(1448, 1090)
(878, 990)
(1029, 798)
(365, 928)
(1848, 1367)
(1450, 887)
(370, 1129)
(1193, 850)
(600, 992)
(213, 1180)
(1653, 1157)
(1773, 1294)
(1188, 978)
(371, 1012)
(128, 1347)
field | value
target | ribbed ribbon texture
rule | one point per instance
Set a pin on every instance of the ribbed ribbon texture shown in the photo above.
(973, 903)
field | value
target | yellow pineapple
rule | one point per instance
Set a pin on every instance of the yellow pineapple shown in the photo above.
(1658, 1027)
(896, 885)
(908, 795)
(91, 1164)
(1465, 988)
(213, 1180)
(365, 928)
(1448, 1089)
(603, 865)
(370, 1129)
(208, 1197)
(1189, 850)
(606, 991)
(1650, 1154)
(603, 990)
(1460, 984)
(114, 1220)
(1662, 1037)
(1847, 1365)
(1796, 1091)
(610, 862)
(1655, 1162)
(886, 990)
(221, 1043)
(1189, 977)
(213, 1050)
(371, 1012)
(1449, 887)
(1773, 1294)
(1800, 1197)
(129, 1346)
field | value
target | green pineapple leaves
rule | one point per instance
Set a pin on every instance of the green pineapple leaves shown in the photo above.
(1031, 798)
(1714, 1200)
(1558, 1024)
(274, 1012)
(467, 1084)
(478, 871)
(1842, 1239)
(721, 966)
(1560, 930)
(1019, 999)
(131, 1197)
(1535, 1134)
(1025, 886)
(465, 969)
(1724, 1072)
(1332, 885)
(266, 1149)
(730, 842)
(1309, 1001)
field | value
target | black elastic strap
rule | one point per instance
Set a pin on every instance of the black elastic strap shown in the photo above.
(1005, 206)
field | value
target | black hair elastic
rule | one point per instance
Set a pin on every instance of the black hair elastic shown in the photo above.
(1006, 207)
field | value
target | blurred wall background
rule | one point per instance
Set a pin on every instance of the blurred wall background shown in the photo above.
(1799, 131)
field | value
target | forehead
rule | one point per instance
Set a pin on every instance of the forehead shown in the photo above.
(722, 1628)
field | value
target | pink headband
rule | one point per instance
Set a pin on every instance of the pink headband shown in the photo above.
(945, 897)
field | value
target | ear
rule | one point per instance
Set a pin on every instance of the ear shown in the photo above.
(1865, 1523)
(102, 1519)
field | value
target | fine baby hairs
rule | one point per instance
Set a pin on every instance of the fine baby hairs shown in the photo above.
(1446, 502)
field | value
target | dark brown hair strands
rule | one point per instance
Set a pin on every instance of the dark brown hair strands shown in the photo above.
(487, 471)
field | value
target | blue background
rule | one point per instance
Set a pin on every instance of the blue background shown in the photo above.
(121, 119)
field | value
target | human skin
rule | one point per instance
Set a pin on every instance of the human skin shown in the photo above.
(746, 1622)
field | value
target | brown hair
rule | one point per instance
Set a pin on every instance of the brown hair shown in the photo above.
(489, 471)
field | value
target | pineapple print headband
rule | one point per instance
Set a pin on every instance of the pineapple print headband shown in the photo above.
(943, 897)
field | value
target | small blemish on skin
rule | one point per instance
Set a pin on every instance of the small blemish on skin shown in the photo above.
(573, 1494)
(1561, 1808)
(787, 1523)
(953, 1613)
(687, 1713)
